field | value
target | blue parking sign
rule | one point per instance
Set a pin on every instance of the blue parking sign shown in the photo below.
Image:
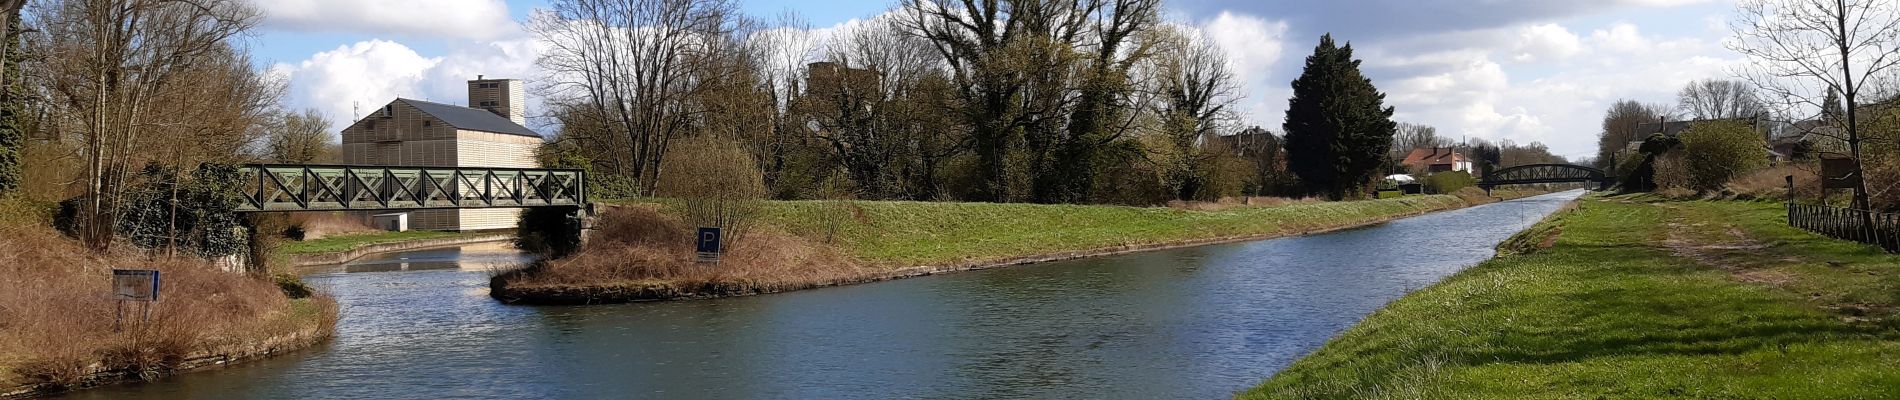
(708, 243)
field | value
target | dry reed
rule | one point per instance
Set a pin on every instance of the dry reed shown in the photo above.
(57, 320)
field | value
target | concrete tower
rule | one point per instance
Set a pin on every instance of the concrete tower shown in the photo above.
(504, 97)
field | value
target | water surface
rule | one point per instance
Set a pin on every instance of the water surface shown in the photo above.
(1199, 322)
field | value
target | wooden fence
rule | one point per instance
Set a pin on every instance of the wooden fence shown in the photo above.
(1848, 224)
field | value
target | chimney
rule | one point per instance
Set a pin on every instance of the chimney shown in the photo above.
(504, 97)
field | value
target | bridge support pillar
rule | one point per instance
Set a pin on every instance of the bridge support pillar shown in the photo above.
(554, 232)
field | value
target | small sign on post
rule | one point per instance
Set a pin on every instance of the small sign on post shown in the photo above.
(140, 285)
(135, 285)
(1839, 173)
(708, 244)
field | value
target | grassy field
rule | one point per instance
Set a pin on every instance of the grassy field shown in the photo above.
(1636, 299)
(905, 233)
(350, 242)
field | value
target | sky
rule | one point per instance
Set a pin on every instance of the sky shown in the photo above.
(1519, 70)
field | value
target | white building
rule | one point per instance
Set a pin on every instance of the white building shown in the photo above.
(487, 133)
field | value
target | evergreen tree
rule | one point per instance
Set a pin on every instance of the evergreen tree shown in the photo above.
(1337, 125)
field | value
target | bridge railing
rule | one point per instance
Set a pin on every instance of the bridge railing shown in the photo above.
(1848, 224)
(293, 187)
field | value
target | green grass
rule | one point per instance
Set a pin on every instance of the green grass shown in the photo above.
(350, 242)
(904, 233)
(1610, 311)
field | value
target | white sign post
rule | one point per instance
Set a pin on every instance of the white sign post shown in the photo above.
(140, 285)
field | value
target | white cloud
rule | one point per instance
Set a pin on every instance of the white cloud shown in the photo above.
(1254, 47)
(361, 76)
(354, 79)
(469, 19)
(1546, 42)
(1554, 90)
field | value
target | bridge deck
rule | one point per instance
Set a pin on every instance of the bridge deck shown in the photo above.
(291, 187)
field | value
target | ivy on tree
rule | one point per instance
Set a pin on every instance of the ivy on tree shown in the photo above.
(1338, 128)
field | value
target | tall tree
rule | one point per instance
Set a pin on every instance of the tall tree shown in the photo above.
(641, 67)
(1720, 99)
(12, 106)
(1622, 126)
(1796, 47)
(123, 69)
(1196, 94)
(1102, 99)
(1338, 128)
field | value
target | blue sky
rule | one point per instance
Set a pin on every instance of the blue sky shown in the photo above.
(1520, 70)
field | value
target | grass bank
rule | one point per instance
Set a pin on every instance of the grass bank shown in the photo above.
(348, 242)
(57, 328)
(343, 248)
(1632, 298)
(641, 251)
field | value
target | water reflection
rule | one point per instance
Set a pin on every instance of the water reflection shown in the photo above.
(1190, 323)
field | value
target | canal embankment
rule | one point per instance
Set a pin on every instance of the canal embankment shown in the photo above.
(60, 329)
(637, 253)
(344, 248)
(1723, 296)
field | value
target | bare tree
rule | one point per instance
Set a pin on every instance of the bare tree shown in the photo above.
(300, 138)
(1194, 95)
(1720, 99)
(110, 65)
(1416, 136)
(1622, 126)
(1005, 59)
(1800, 48)
(640, 66)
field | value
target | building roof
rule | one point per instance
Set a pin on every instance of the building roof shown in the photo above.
(1433, 156)
(473, 119)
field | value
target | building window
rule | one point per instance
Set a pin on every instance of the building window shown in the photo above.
(426, 124)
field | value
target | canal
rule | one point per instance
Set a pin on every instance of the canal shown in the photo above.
(1199, 322)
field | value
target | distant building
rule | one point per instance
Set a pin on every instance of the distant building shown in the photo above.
(1250, 142)
(1781, 147)
(1438, 159)
(832, 79)
(487, 133)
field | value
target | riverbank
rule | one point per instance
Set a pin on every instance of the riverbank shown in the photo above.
(343, 248)
(59, 329)
(1632, 298)
(811, 244)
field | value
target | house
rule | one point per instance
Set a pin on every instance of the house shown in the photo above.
(1250, 142)
(1780, 147)
(487, 133)
(1438, 159)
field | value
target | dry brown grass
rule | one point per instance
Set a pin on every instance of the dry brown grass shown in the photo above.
(57, 320)
(639, 245)
(321, 225)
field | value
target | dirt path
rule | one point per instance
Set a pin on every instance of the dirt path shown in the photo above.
(1731, 250)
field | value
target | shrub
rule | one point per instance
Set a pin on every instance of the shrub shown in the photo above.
(717, 182)
(1449, 181)
(1716, 151)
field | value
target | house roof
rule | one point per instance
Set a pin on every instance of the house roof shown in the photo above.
(1433, 156)
(473, 119)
